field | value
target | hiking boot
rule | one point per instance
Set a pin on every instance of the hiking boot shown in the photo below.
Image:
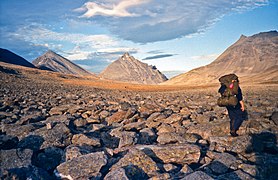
(233, 134)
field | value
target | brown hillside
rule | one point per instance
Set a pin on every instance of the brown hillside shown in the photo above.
(253, 58)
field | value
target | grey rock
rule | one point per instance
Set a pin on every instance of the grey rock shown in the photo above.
(75, 151)
(82, 167)
(58, 136)
(20, 131)
(49, 158)
(81, 139)
(135, 126)
(137, 162)
(174, 153)
(236, 175)
(147, 136)
(128, 138)
(15, 158)
(116, 175)
(30, 172)
(80, 122)
(197, 175)
(274, 117)
(167, 138)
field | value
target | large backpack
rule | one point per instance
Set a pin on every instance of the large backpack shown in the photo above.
(228, 98)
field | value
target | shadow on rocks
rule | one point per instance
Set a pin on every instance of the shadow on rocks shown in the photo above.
(32, 142)
(264, 147)
(8, 71)
(135, 173)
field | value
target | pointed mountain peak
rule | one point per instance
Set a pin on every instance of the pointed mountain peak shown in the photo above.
(243, 37)
(126, 57)
(55, 62)
(129, 69)
(50, 52)
(126, 54)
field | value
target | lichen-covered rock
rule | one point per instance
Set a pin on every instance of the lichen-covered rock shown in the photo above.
(235, 175)
(81, 139)
(20, 131)
(174, 153)
(166, 138)
(15, 158)
(137, 160)
(58, 136)
(30, 172)
(75, 151)
(126, 138)
(82, 167)
(210, 129)
(116, 117)
(197, 175)
(116, 174)
(135, 126)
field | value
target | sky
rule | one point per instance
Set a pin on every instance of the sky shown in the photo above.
(175, 36)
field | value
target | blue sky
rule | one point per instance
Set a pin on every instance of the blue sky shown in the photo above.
(175, 36)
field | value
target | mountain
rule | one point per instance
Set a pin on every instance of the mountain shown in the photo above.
(54, 62)
(253, 59)
(12, 58)
(129, 69)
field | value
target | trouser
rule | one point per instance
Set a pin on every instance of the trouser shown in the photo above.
(235, 124)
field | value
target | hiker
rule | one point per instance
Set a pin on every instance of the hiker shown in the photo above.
(231, 98)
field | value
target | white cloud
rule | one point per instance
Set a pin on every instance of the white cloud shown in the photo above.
(151, 21)
(73, 46)
(117, 50)
(40, 35)
(205, 57)
(118, 10)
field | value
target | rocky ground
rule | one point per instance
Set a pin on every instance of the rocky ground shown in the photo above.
(51, 130)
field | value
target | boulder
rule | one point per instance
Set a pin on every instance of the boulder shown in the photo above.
(138, 161)
(210, 129)
(116, 117)
(49, 158)
(15, 158)
(82, 167)
(59, 110)
(147, 136)
(167, 138)
(30, 172)
(75, 151)
(235, 175)
(274, 117)
(197, 175)
(20, 131)
(58, 136)
(116, 174)
(174, 153)
(126, 138)
(81, 139)
(135, 126)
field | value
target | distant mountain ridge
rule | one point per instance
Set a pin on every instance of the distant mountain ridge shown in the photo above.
(12, 58)
(248, 57)
(55, 62)
(129, 69)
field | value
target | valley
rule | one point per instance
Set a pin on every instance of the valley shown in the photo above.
(71, 126)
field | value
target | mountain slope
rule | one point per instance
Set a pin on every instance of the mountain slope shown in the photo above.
(12, 58)
(129, 69)
(251, 58)
(54, 62)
